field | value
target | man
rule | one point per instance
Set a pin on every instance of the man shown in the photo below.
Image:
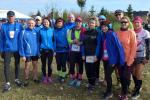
(29, 50)
(147, 25)
(119, 14)
(38, 25)
(9, 36)
(71, 22)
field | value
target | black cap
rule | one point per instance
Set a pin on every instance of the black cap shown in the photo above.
(10, 13)
(118, 11)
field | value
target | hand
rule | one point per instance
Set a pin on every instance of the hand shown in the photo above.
(95, 58)
(75, 41)
(113, 65)
(83, 57)
(24, 59)
(145, 61)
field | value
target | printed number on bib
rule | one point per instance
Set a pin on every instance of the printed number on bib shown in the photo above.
(11, 34)
(90, 59)
(75, 47)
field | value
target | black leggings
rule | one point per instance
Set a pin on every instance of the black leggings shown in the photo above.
(61, 59)
(76, 57)
(46, 55)
(7, 60)
(108, 70)
(90, 69)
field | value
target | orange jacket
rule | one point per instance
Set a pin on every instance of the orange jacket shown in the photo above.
(128, 40)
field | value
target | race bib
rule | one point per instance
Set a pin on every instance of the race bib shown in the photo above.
(11, 34)
(90, 59)
(75, 48)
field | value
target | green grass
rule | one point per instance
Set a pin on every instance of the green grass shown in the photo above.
(53, 91)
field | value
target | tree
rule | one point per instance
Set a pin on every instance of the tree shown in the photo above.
(38, 13)
(81, 4)
(65, 15)
(130, 12)
(92, 11)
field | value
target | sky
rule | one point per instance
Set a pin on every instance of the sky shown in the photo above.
(31, 6)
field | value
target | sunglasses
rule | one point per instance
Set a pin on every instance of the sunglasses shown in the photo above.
(124, 22)
(117, 14)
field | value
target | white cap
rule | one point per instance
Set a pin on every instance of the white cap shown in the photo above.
(38, 17)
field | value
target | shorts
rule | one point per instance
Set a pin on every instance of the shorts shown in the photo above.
(32, 58)
(138, 60)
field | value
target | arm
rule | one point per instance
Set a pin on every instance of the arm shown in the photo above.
(98, 45)
(2, 39)
(147, 41)
(21, 44)
(133, 46)
(70, 41)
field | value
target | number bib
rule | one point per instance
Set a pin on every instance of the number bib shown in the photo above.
(90, 59)
(11, 34)
(75, 48)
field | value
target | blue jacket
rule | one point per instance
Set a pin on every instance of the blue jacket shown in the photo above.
(115, 50)
(29, 43)
(70, 25)
(60, 40)
(46, 38)
(9, 43)
(38, 27)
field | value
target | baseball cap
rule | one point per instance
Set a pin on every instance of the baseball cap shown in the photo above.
(10, 13)
(38, 18)
(78, 19)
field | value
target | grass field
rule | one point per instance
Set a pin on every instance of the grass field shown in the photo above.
(55, 91)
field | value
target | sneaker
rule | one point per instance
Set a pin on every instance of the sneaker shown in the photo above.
(123, 97)
(18, 82)
(135, 95)
(26, 83)
(6, 87)
(78, 83)
(49, 80)
(90, 88)
(62, 80)
(44, 81)
(97, 82)
(72, 82)
(107, 95)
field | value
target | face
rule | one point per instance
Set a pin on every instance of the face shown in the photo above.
(79, 24)
(38, 22)
(11, 19)
(59, 24)
(31, 24)
(92, 24)
(46, 23)
(104, 28)
(124, 24)
(137, 25)
(119, 16)
(71, 19)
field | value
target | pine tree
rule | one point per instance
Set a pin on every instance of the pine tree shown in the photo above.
(81, 4)
(38, 13)
(130, 12)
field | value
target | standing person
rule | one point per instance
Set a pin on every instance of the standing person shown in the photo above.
(38, 24)
(46, 49)
(112, 54)
(147, 25)
(71, 22)
(75, 36)
(142, 55)
(61, 48)
(90, 52)
(128, 40)
(9, 36)
(29, 50)
(119, 14)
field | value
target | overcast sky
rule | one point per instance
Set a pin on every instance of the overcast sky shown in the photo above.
(27, 6)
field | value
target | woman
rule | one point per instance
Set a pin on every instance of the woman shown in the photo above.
(90, 52)
(127, 38)
(46, 49)
(61, 48)
(142, 55)
(112, 54)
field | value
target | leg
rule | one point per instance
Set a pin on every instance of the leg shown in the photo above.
(50, 59)
(58, 61)
(17, 64)
(43, 60)
(7, 60)
(72, 65)
(80, 65)
(35, 67)
(63, 63)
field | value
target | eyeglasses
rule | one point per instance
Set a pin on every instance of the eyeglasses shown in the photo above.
(124, 22)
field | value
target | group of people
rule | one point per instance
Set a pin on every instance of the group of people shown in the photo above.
(122, 46)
